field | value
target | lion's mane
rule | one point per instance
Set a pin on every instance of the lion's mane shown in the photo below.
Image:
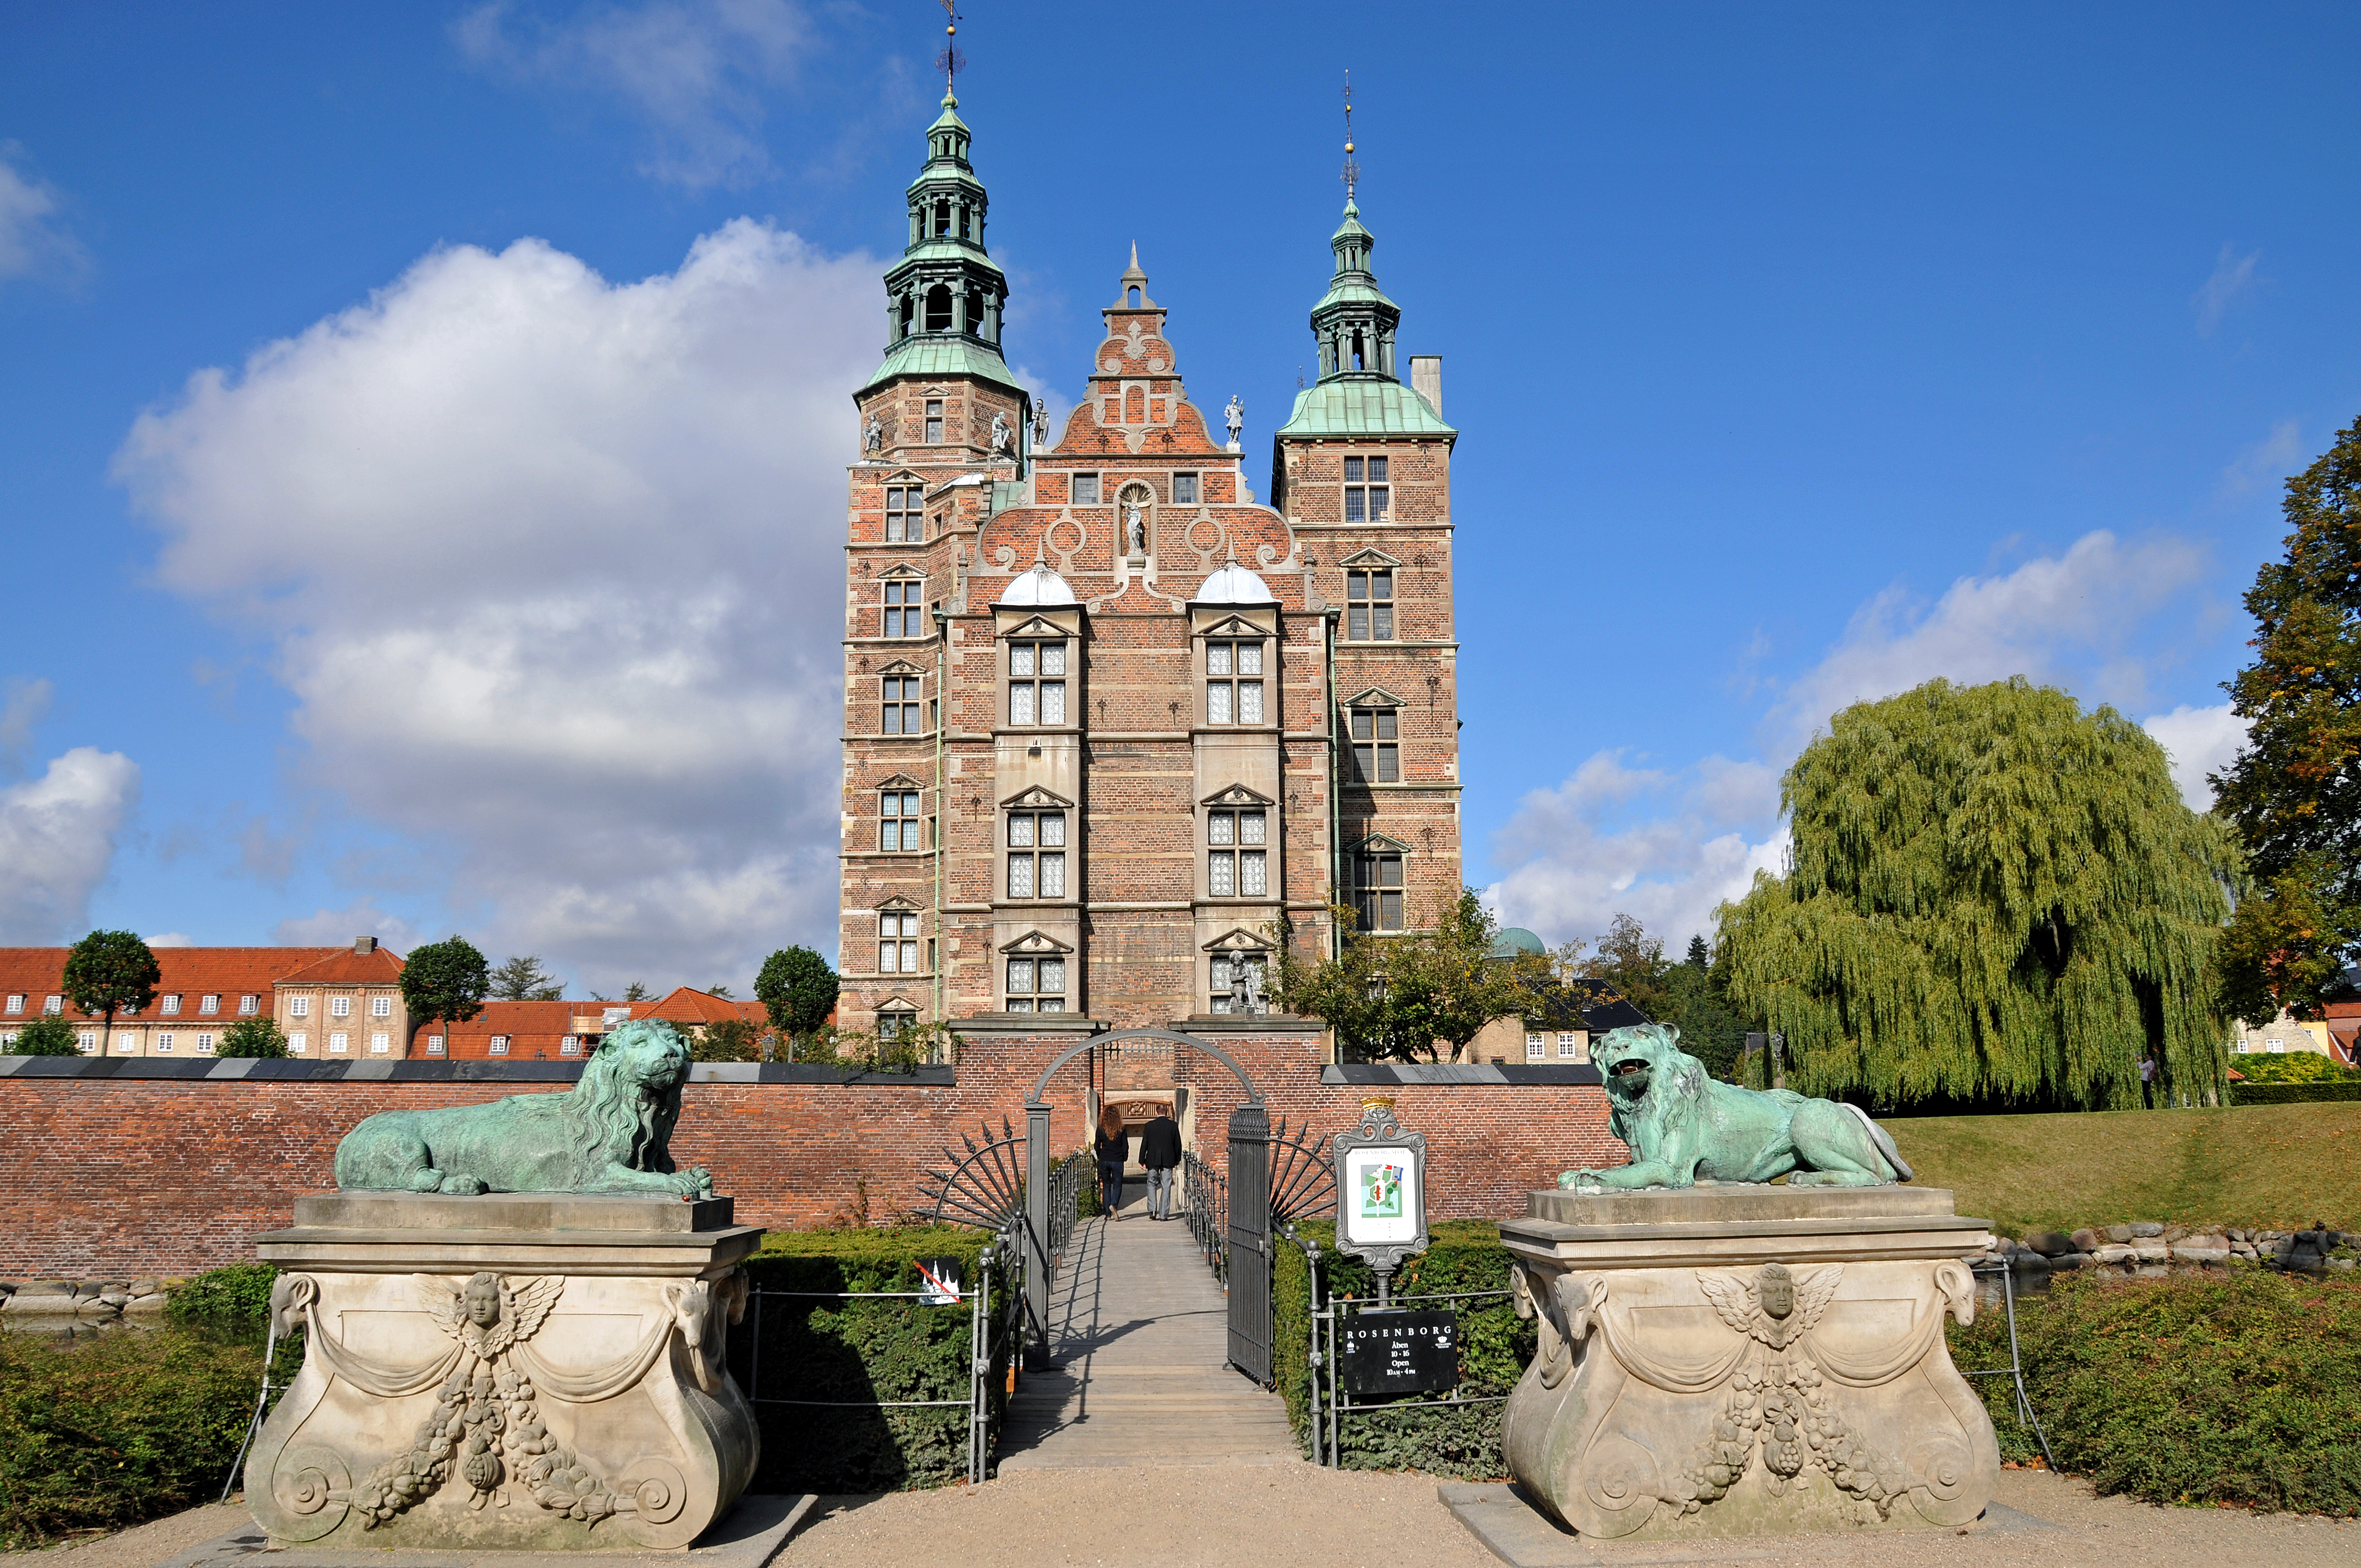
(612, 1117)
(1675, 1083)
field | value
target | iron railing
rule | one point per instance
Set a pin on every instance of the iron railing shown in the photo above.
(1206, 1191)
(2015, 1370)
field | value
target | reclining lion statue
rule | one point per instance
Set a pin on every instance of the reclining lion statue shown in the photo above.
(610, 1133)
(1684, 1128)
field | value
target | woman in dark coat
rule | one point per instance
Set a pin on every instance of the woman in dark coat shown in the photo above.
(1112, 1147)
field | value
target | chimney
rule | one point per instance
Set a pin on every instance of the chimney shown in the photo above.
(364, 944)
(1427, 379)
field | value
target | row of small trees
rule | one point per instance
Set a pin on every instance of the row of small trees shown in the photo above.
(109, 973)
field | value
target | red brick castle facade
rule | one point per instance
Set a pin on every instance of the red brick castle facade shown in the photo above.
(1110, 723)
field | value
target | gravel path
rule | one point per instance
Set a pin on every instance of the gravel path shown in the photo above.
(1301, 1517)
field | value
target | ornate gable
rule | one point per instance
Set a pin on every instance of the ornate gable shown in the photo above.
(1035, 942)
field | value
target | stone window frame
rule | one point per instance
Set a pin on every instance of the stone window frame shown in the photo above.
(912, 512)
(1196, 486)
(902, 609)
(899, 693)
(1371, 616)
(1374, 732)
(1229, 693)
(903, 813)
(1024, 658)
(1367, 487)
(1373, 857)
(1074, 483)
(895, 1020)
(1034, 950)
(933, 415)
(902, 919)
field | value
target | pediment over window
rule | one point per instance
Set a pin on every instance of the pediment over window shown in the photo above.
(1380, 844)
(899, 781)
(1234, 627)
(1036, 799)
(900, 667)
(1035, 942)
(1368, 558)
(905, 477)
(897, 1002)
(1375, 697)
(1238, 940)
(1037, 627)
(900, 572)
(1236, 795)
(898, 904)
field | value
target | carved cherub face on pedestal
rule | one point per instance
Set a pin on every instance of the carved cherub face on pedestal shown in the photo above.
(482, 1298)
(1776, 1307)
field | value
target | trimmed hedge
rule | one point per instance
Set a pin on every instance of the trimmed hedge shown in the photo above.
(2242, 1388)
(2294, 1094)
(852, 1352)
(1495, 1345)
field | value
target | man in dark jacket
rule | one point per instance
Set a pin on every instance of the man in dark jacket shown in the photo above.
(1160, 1151)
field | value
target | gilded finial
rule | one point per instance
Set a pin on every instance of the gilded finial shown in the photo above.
(1352, 169)
(950, 59)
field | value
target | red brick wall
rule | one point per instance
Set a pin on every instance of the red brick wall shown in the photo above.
(116, 1178)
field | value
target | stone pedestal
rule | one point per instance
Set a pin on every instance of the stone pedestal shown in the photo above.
(1729, 1361)
(532, 1371)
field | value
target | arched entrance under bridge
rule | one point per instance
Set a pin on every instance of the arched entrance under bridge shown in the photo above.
(1248, 1234)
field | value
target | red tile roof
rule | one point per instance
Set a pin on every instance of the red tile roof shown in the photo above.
(342, 966)
(37, 973)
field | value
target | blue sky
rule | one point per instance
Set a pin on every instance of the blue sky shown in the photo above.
(422, 427)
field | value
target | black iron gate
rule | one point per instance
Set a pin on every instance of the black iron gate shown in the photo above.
(1249, 1241)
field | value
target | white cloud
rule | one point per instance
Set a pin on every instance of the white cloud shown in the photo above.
(56, 841)
(337, 928)
(33, 236)
(2061, 619)
(2232, 276)
(169, 939)
(1575, 864)
(694, 69)
(554, 569)
(22, 709)
(2200, 740)
(2265, 464)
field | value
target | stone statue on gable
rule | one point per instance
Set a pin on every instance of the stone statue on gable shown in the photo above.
(1236, 416)
(1000, 433)
(1135, 532)
(1041, 425)
(872, 436)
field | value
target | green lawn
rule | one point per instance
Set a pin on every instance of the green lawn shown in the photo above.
(2265, 1167)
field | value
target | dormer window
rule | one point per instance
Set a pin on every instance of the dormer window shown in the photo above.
(1367, 495)
(168, 1006)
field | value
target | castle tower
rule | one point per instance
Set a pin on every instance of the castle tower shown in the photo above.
(1362, 471)
(1097, 752)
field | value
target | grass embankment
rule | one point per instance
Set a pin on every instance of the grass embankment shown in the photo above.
(2262, 1166)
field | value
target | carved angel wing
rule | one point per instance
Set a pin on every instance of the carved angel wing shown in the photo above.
(1733, 1297)
(441, 1302)
(529, 1303)
(1814, 1289)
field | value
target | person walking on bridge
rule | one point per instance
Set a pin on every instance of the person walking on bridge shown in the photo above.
(1112, 1149)
(1160, 1151)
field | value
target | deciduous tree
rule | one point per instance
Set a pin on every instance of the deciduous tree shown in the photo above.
(729, 1039)
(445, 981)
(1995, 896)
(256, 1036)
(797, 989)
(109, 973)
(47, 1036)
(1403, 998)
(2293, 790)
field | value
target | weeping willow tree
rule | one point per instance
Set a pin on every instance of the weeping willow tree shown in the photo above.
(1994, 896)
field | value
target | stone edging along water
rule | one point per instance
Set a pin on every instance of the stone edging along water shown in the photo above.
(2152, 1247)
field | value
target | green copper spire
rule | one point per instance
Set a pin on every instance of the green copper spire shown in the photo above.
(945, 298)
(1355, 322)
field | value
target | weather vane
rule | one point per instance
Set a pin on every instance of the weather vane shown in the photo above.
(950, 59)
(1352, 169)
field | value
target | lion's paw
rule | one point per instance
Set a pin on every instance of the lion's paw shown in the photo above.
(464, 1185)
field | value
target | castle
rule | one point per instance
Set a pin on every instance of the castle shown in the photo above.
(1113, 728)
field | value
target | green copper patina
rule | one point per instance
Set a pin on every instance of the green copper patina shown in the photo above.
(609, 1132)
(1684, 1128)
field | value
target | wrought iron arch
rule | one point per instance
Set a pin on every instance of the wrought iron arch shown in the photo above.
(1114, 1037)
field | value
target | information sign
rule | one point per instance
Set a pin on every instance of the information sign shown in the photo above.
(1381, 1190)
(1381, 1352)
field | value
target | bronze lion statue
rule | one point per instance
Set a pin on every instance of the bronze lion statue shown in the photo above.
(610, 1133)
(1684, 1128)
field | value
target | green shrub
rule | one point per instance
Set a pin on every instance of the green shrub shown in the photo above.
(2243, 1388)
(2294, 1094)
(848, 1352)
(47, 1036)
(232, 1302)
(97, 1434)
(1495, 1345)
(2291, 1066)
